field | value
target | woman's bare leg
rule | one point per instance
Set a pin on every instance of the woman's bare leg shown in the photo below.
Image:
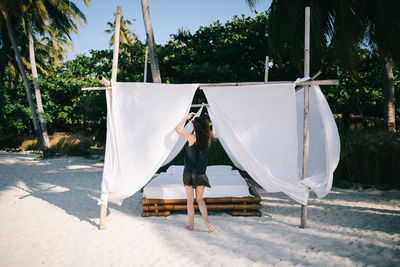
(190, 207)
(203, 209)
(201, 203)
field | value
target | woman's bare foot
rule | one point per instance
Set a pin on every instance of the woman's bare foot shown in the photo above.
(190, 228)
(211, 229)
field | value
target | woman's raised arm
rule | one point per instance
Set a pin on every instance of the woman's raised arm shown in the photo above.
(179, 129)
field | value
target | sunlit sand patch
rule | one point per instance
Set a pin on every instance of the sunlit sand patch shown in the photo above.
(50, 188)
(78, 167)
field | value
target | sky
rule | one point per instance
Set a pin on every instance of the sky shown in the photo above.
(167, 17)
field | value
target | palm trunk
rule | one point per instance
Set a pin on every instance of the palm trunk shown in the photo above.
(388, 89)
(25, 80)
(155, 69)
(37, 87)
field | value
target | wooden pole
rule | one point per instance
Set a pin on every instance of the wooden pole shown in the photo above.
(306, 125)
(103, 214)
(103, 207)
(116, 45)
(266, 69)
(145, 65)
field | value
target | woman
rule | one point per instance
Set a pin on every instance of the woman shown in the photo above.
(194, 174)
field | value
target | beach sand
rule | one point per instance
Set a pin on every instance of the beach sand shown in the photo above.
(49, 217)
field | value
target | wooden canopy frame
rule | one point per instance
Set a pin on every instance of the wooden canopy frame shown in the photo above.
(305, 84)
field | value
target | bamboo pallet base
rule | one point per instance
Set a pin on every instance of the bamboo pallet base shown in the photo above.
(240, 206)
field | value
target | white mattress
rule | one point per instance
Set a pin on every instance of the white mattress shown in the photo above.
(224, 182)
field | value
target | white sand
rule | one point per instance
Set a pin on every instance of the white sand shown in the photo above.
(49, 217)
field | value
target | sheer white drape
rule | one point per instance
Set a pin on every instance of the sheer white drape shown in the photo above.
(324, 147)
(182, 141)
(260, 127)
(140, 133)
(257, 124)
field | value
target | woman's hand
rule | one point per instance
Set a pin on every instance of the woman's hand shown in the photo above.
(179, 129)
(190, 115)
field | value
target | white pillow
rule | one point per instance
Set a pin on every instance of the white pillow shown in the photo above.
(219, 170)
(175, 170)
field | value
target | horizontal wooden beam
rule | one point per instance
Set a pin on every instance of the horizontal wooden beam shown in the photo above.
(310, 83)
(148, 201)
(96, 88)
(237, 84)
(199, 105)
(234, 213)
(209, 207)
(320, 82)
(247, 213)
(158, 213)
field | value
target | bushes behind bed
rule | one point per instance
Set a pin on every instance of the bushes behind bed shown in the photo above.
(216, 156)
(369, 157)
(71, 144)
(11, 141)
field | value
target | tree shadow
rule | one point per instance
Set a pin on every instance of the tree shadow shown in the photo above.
(73, 187)
(274, 238)
(334, 209)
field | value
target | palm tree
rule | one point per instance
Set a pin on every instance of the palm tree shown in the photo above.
(46, 142)
(344, 25)
(126, 35)
(21, 67)
(9, 67)
(57, 43)
(62, 14)
(155, 69)
(38, 13)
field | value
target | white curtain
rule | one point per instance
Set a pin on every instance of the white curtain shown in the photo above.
(141, 122)
(324, 147)
(258, 126)
(182, 141)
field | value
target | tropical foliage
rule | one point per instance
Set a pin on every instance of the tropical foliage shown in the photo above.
(234, 51)
(342, 26)
(34, 15)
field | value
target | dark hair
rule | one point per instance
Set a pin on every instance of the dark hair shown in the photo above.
(202, 129)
